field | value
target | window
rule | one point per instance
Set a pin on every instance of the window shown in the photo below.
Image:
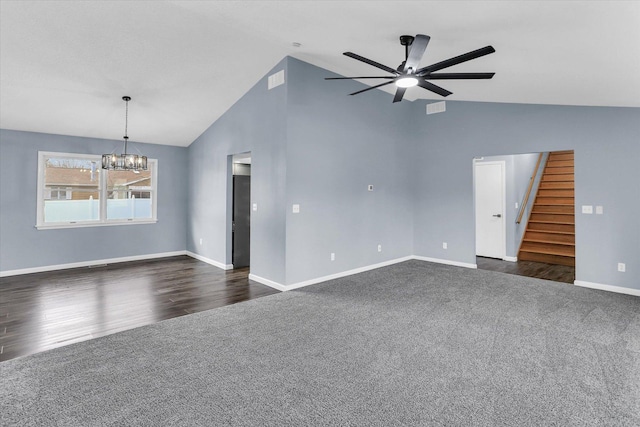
(74, 191)
(58, 193)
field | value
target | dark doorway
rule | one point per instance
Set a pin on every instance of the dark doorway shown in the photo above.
(241, 226)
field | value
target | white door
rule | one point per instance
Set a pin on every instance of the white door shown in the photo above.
(490, 225)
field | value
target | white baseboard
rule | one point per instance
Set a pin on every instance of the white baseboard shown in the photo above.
(510, 258)
(210, 261)
(609, 288)
(89, 263)
(346, 273)
(445, 261)
(281, 287)
(270, 283)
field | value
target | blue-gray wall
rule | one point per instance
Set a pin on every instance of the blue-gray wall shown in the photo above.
(607, 153)
(337, 145)
(256, 123)
(314, 145)
(22, 246)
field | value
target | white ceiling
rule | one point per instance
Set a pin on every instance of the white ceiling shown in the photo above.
(64, 65)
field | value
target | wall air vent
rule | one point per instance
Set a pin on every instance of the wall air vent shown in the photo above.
(275, 80)
(436, 107)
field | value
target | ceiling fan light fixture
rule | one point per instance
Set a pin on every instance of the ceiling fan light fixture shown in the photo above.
(407, 82)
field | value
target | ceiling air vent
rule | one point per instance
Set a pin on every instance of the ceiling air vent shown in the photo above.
(276, 79)
(436, 107)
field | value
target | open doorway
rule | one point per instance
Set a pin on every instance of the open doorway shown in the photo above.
(241, 211)
(515, 224)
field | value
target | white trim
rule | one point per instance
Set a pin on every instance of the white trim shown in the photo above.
(445, 261)
(510, 258)
(302, 284)
(270, 283)
(210, 261)
(281, 287)
(347, 273)
(85, 224)
(609, 288)
(89, 263)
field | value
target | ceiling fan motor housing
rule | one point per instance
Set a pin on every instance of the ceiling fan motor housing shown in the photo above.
(406, 40)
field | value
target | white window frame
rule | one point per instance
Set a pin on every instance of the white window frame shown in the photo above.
(102, 221)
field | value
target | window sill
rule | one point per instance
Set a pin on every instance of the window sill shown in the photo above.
(94, 224)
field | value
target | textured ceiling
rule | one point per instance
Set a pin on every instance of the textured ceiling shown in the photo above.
(64, 65)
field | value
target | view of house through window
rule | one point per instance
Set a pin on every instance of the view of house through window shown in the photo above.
(128, 194)
(74, 189)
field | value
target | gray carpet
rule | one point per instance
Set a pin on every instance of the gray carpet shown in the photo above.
(411, 344)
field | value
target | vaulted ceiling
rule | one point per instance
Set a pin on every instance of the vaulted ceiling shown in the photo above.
(64, 65)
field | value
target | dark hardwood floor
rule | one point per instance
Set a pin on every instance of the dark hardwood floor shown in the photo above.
(42, 311)
(540, 270)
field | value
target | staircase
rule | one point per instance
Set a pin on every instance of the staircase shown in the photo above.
(550, 235)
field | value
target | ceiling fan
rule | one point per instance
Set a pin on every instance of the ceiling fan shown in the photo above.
(408, 74)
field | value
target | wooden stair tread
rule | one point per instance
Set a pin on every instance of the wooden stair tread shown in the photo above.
(547, 252)
(553, 231)
(551, 222)
(552, 209)
(550, 259)
(552, 242)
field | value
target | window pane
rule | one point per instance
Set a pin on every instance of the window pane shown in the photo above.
(71, 190)
(129, 194)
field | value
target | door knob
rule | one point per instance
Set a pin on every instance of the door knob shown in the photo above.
(498, 215)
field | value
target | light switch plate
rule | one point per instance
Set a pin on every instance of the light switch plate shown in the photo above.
(296, 209)
(255, 206)
(599, 210)
(370, 187)
(587, 209)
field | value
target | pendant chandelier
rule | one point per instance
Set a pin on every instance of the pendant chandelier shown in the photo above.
(124, 161)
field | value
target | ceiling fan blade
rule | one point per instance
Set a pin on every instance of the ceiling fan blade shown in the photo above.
(456, 60)
(433, 88)
(456, 76)
(370, 62)
(372, 87)
(416, 50)
(399, 94)
(368, 77)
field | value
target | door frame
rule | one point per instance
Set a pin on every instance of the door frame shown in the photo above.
(229, 211)
(502, 164)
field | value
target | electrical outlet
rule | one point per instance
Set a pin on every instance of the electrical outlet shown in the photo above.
(255, 207)
(444, 245)
(295, 209)
(622, 267)
(201, 241)
(587, 209)
(516, 205)
(333, 256)
(379, 248)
